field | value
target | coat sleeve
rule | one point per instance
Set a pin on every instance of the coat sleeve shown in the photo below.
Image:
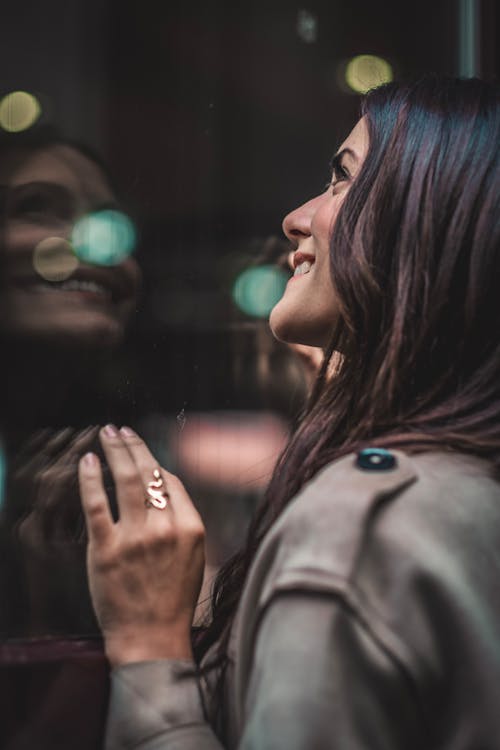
(157, 705)
(321, 680)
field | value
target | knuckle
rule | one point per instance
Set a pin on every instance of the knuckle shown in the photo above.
(105, 563)
(175, 483)
(134, 548)
(195, 530)
(127, 477)
(162, 539)
(166, 534)
(96, 509)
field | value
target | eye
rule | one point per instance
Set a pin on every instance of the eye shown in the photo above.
(30, 204)
(339, 173)
(40, 203)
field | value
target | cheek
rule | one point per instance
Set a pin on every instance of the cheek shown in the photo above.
(19, 237)
(324, 219)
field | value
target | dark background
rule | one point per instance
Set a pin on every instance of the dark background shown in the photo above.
(216, 118)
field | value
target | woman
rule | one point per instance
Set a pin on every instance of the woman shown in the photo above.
(364, 611)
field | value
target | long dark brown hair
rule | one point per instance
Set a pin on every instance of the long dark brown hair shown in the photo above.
(415, 264)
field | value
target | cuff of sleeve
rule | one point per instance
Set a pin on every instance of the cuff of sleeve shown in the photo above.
(149, 698)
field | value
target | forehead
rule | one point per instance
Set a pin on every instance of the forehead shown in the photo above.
(59, 163)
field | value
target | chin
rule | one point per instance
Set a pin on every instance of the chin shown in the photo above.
(82, 335)
(291, 330)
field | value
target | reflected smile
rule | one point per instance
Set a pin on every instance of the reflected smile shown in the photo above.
(74, 285)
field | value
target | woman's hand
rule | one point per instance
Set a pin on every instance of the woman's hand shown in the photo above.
(145, 570)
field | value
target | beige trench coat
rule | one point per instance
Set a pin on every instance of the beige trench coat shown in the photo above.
(370, 620)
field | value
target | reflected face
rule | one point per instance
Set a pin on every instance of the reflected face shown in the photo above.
(309, 308)
(46, 191)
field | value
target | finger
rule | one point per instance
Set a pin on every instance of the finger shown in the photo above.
(147, 464)
(144, 459)
(34, 442)
(82, 438)
(78, 445)
(56, 446)
(179, 500)
(130, 492)
(94, 500)
(32, 453)
(58, 441)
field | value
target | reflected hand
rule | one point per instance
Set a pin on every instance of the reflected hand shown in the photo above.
(145, 570)
(49, 478)
(51, 593)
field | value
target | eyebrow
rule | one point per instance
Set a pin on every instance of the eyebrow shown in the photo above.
(61, 191)
(339, 154)
(336, 162)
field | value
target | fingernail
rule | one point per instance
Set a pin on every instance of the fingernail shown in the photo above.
(90, 459)
(110, 431)
(127, 431)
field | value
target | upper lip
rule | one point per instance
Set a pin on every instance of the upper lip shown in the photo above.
(300, 256)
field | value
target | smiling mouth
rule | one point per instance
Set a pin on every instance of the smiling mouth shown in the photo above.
(97, 285)
(302, 268)
(80, 286)
(302, 263)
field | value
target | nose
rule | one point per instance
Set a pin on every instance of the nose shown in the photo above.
(297, 224)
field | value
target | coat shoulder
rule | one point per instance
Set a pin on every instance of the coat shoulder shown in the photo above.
(401, 506)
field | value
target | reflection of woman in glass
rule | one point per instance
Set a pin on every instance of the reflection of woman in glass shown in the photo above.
(364, 611)
(46, 186)
(60, 320)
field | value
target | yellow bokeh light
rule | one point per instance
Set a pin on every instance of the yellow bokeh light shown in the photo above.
(365, 72)
(19, 111)
(54, 259)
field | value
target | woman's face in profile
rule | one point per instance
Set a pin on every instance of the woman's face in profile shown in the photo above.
(309, 308)
(46, 191)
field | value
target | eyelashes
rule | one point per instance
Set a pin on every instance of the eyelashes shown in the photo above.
(339, 172)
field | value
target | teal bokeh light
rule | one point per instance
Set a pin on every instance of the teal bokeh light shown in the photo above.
(104, 238)
(258, 289)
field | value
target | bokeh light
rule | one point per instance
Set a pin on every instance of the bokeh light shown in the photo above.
(307, 26)
(104, 238)
(54, 259)
(258, 289)
(19, 110)
(365, 72)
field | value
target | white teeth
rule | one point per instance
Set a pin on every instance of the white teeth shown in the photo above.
(75, 285)
(303, 268)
